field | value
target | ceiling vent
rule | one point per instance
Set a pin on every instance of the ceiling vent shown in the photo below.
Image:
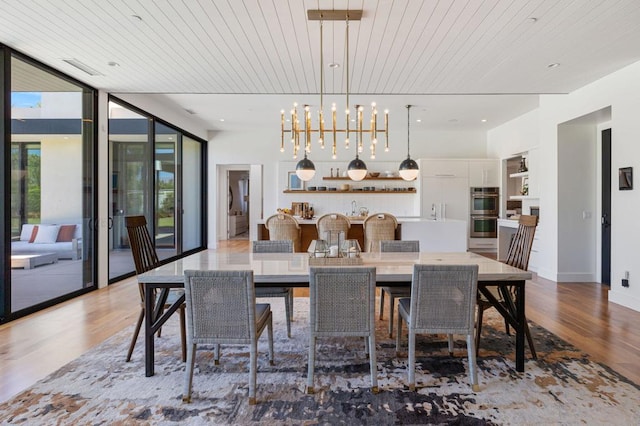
(82, 66)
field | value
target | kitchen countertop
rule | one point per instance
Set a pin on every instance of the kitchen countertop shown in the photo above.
(508, 223)
(360, 220)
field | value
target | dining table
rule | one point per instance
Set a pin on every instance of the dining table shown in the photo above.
(292, 270)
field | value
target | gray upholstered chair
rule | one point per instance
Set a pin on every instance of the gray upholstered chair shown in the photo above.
(517, 256)
(283, 226)
(222, 309)
(332, 223)
(443, 301)
(285, 246)
(394, 293)
(378, 227)
(342, 303)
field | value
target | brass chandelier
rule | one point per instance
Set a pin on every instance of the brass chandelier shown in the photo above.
(301, 133)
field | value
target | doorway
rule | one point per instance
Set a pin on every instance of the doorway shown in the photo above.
(238, 204)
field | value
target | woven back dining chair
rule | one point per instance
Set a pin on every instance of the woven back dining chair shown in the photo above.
(443, 301)
(518, 256)
(378, 227)
(222, 310)
(331, 224)
(390, 246)
(283, 226)
(341, 303)
(145, 258)
(285, 246)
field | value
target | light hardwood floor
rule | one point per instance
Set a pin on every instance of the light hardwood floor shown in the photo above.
(33, 347)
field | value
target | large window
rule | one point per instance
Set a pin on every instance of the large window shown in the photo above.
(156, 171)
(51, 191)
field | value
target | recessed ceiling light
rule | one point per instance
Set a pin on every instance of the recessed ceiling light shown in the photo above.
(113, 64)
(533, 20)
(137, 17)
(453, 120)
(484, 120)
(334, 65)
(222, 119)
(553, 65)
(419, 120)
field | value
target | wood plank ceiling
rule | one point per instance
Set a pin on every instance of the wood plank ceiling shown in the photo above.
(401, 49)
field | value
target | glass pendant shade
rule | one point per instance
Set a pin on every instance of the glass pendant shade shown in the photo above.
(409, 169)
(357, 170)
(305, 169)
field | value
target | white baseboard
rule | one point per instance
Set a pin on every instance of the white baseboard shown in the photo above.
(622, 297)
(573, 277)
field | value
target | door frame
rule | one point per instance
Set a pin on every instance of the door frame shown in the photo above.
(255, 199)
(598, 255)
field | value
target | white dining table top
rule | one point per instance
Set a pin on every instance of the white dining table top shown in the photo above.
(294, 267)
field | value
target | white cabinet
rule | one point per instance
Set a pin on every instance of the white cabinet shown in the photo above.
(450, 192)
(484, 173)
(237, 225)
(444, 168)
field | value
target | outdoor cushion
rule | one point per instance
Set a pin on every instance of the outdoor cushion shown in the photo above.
(47, 234)
(66, 233)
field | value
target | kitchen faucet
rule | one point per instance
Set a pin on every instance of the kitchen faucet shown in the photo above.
(353, 208)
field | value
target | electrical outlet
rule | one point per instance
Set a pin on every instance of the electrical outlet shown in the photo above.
(625, 280)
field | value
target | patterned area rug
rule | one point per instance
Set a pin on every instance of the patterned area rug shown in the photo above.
(562, 387)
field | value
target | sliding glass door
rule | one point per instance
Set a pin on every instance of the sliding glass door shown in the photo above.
(51, 188)
(147, 178)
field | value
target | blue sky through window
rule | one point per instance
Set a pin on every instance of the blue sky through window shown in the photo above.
(26, 99)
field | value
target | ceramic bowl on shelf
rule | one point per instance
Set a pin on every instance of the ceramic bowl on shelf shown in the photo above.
(311, 188)
(374, 174)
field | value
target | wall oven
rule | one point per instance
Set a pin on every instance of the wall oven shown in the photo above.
(484, 201)
(484, 227)
(484, 212)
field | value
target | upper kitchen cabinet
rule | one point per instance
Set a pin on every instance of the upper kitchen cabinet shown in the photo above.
(484, 173)
(444, 168)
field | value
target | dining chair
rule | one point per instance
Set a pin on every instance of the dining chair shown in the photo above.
(283, 226)
(222, 309)
(145, 258)
(443, 301)
(378, 227)
(332, 223)
(389, 246)
(518, 256)
(284, 246)
(342, 303)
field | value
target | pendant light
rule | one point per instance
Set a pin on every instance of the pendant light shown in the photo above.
(356, 169)
(305, 169)
(408, 168)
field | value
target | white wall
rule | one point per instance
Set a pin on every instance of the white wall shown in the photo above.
(262, 147)
(58, 179)
(620, 91)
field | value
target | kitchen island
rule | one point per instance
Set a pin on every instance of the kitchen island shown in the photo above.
(446, 235)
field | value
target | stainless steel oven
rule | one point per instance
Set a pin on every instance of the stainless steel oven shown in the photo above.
(484, 201)
(484, 227)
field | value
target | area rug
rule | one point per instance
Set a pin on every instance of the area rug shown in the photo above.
(562, 387)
